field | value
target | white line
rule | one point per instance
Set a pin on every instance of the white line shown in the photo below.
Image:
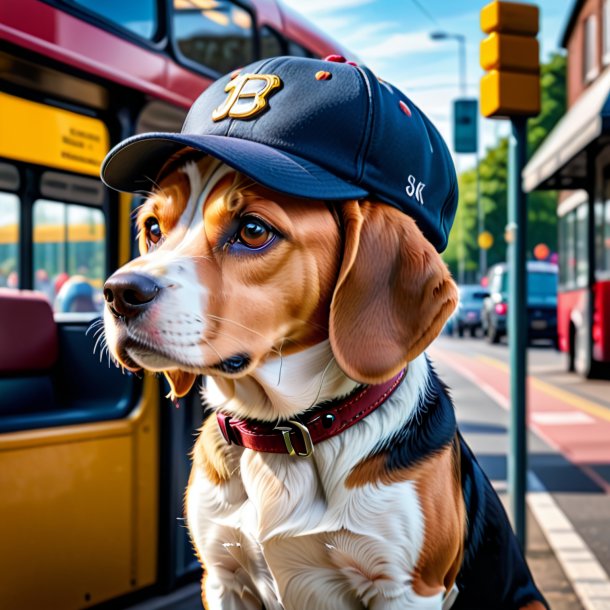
(589, 579)
(561, 418)
(501, 487)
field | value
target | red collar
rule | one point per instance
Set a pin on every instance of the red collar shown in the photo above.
(298, 437)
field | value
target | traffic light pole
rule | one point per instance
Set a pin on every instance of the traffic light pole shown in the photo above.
(480, 221)
(517, 327)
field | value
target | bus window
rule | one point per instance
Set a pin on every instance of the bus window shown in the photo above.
(69, 255)
(9, 240)
(570, 251)
(136, 16)
(606, 238)
(582, 256)
(272, 43)
(561, 225)
(294, 48)
(599, 236)
(218, 35)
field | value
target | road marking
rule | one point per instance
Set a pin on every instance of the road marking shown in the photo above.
(574, 400)
(587, 576)
(561, 418)
(589, 579)
(501, 487)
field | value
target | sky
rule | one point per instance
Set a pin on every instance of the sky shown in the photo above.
(392, 37)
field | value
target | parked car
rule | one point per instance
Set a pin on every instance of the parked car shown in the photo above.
(467, 316)
(541, 302)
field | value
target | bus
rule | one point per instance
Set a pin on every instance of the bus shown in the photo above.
(583, 298)
(94, 462)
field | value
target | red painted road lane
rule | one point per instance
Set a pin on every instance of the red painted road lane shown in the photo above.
(578, 428)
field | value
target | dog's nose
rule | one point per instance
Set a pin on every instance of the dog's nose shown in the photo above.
(129, 294)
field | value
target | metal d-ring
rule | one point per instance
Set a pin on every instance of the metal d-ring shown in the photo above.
(285, 430)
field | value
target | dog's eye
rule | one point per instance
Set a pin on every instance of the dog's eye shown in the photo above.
(254, 233)
(153, 230)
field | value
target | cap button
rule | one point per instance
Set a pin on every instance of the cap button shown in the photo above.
(404, 108)
(323, 75)
(336, 58)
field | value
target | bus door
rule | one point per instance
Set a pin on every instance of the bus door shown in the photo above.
(79, 438)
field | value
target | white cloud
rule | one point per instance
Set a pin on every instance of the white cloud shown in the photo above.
(314, 8)
(399, 45)
(354, 35)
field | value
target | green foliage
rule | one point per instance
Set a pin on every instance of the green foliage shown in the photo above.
(493, 175)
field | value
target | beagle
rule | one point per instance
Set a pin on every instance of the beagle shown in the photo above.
(331, 475)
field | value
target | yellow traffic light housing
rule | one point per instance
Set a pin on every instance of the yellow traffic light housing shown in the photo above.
(510, 55)
(510, 52)
(510, 18)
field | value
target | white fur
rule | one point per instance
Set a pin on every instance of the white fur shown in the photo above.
(286, 386)
(289, 532)
(173, 322)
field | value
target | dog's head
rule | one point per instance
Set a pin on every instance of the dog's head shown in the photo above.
(232, 274)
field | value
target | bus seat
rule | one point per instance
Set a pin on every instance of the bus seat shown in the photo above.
(28, 352)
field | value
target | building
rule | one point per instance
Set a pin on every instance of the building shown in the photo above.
(575, 159)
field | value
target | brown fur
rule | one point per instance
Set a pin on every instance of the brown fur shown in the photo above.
(393, 287)
(438, 484)
(212, 453)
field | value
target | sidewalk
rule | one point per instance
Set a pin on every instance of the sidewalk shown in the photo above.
(546, 570)
(569, 445)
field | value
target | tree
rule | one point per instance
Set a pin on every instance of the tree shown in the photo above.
(493, 175)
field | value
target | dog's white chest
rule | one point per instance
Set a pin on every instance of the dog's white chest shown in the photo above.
(305, 542)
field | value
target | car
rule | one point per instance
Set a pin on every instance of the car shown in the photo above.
(467, 317)
(541, 302)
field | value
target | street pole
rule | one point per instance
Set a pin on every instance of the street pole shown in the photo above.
(462, 44)
(517, 330)
(511, 88)
(461, 258)
(461, 39)
(481, 219)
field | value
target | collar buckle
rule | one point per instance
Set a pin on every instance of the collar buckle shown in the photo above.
(305, 435)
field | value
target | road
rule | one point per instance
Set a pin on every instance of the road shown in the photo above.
(569, 443)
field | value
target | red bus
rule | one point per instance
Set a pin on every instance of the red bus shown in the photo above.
(583, 302)
(93, 463)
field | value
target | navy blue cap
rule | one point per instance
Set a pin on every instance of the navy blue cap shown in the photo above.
(309, 128)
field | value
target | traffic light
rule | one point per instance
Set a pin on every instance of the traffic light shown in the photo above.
(509, 54)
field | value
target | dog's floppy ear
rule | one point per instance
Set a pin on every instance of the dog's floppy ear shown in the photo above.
(393, 294)
(180, 382)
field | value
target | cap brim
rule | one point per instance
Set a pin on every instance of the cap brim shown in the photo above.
(134, 164)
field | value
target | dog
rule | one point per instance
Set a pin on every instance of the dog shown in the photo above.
(331, 474)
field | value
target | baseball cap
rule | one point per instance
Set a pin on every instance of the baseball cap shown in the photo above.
(320, 129)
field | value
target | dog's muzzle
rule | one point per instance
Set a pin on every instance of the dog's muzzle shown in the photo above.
(129, 294)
